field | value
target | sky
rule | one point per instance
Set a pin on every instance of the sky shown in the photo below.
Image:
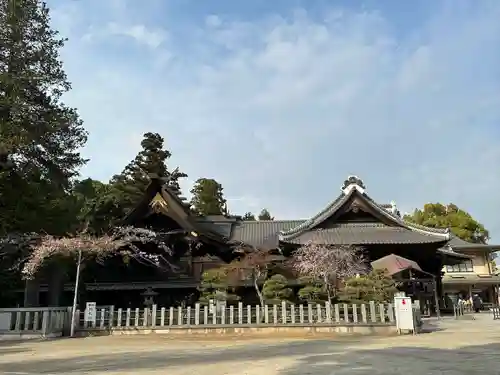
(281, 100)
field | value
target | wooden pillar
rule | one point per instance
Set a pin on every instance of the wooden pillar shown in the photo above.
(56, 286)
(31, 293)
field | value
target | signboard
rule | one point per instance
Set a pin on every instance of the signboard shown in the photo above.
(404, 314)
(90, 312)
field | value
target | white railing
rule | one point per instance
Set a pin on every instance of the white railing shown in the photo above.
(284, 314)
(42, 321)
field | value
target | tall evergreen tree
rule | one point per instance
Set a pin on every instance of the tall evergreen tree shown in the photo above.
(208, 197)
(40, 133)
(40, 136)
(131, 184)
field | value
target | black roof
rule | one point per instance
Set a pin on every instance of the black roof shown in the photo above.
(326, 227)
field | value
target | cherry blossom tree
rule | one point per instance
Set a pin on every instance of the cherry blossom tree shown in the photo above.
(125, 241)
(252, 266)
(331, 264)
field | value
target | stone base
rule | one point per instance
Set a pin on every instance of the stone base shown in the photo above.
(21, 336)
(288, 331)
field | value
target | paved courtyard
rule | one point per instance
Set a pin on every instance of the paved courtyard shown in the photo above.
(465, 347)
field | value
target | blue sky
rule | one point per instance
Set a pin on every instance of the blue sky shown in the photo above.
(281, 100)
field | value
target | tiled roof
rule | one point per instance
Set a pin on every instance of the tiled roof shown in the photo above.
(255, 232)
(258, 233)
(395, 264)
(344, 198)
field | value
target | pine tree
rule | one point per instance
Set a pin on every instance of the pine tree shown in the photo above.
(41, 135)
(131, 184)
(208, 198)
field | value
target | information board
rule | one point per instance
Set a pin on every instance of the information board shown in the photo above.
(404, 314)
(90, 312)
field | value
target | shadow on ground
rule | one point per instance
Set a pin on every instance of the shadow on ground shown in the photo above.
(316, 357)
(468, 360)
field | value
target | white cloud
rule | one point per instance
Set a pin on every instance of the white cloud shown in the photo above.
(283, 109)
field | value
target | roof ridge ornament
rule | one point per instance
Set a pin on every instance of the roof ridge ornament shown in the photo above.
(353, 182)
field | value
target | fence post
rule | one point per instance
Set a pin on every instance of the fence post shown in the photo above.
(275, 314)
(127, 318)
(162, 316)
(231, 314)
(390, 312)
(249, 315)
(309, 313)
(257, 314)
(205, 314)
(373, 313)
(179, 316)
(223, 315)
(320, 315)
(346, 313)
(171, 316)
(337, 313)
(111, 321)
(45, 322)
(284, 319)
(119, 317)
(382, 312)
(266, 314)
(153, 316)
(354, 313)
(240, 312)
(292, 313)
(364, 317)
(145, 317)
(136, 317)
(197, 314)
(35, 320)
(188, 315)
(103, 318)
(328, 312)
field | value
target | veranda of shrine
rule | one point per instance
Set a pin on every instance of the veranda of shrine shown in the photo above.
(352, 218)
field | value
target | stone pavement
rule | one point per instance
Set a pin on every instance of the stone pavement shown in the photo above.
(454, 347)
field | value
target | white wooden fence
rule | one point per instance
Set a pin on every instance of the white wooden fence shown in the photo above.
(240, 315)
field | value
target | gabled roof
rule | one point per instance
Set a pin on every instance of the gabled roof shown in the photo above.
(353, 197)
(159, 197)
(395, 264)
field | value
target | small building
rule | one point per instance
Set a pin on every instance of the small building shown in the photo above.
(201, 243)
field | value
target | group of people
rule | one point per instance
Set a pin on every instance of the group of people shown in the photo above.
(473, 301)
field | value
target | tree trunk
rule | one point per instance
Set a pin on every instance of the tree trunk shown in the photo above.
(328, 290)
(261, 297)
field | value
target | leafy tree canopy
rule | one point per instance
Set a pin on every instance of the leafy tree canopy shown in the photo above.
(276, 289)
(208, 198)
(313, 290)
(460, 222)
(265, 215)
(248, 217)
(374, 286)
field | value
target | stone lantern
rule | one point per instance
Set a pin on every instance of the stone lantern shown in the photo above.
(149, 295)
